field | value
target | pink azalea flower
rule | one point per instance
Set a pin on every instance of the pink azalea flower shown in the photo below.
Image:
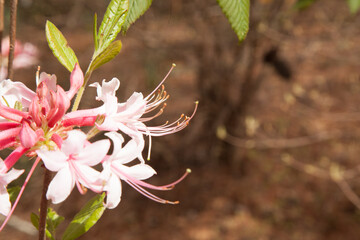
(115, 170)
(5, 179)
(73, 165)
(36, 119)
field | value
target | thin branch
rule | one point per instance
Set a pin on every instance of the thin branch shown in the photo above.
(12, 34)
(307, 168)
(337, 177)
(44, 205)
(277, 143)
(1, 25)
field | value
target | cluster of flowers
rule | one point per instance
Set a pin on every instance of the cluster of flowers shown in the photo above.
(38, 125)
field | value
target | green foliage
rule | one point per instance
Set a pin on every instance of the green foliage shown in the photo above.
(60, 47)
(302, 4)
(13, 193)
(354, 6)
(52, 222)
(136, 9)
(237, 12)
(86, 218)
(107, 55)
(111, 24)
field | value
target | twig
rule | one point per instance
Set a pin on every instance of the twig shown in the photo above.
(337, 176)
(276, 143)
(44, 205)
(1, 26)
(12, 34)
(307, 168)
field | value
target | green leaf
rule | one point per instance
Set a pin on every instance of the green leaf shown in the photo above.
(237, 12)
(354, 6)
(114, 18)
(13, 193)
(59, 46)
(96, 40)
(108, 54)
(52, 222)
(136, 9)
(34, 220)
(86, 218)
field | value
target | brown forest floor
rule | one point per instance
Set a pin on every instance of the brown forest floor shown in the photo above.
(255, 195)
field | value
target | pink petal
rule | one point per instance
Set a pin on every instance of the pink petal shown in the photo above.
(76, 81)
(14, 157)
(63, 103)
(28, 136)
(79, 121)
(8, 125)
(12, 114)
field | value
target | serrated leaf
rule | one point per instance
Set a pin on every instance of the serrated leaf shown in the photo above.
(13, 193)
(107, 55)
(86, 218)
(110, 26)
(354, 6)
(60, 47)
(136, 9)
(237, 13)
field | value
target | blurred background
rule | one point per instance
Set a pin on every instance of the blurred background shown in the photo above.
(274, 146)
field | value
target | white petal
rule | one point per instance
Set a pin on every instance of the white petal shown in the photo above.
(88, 177)
(74, 143)
(107, 88)
(114, 190)
(5, 204)
(53, 160)
(11, 175)
(94, 153)
(139, 171)
(61, 186)
(131, 151)
(117, 140)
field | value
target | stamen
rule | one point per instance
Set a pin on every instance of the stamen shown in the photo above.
(162, 81)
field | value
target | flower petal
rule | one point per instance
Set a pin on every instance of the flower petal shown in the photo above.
(107, 88)
(139, 171)
(94, 153)
(61, 186)
(5, 204)
(74, 142)
(53, 160)
(114, 190)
